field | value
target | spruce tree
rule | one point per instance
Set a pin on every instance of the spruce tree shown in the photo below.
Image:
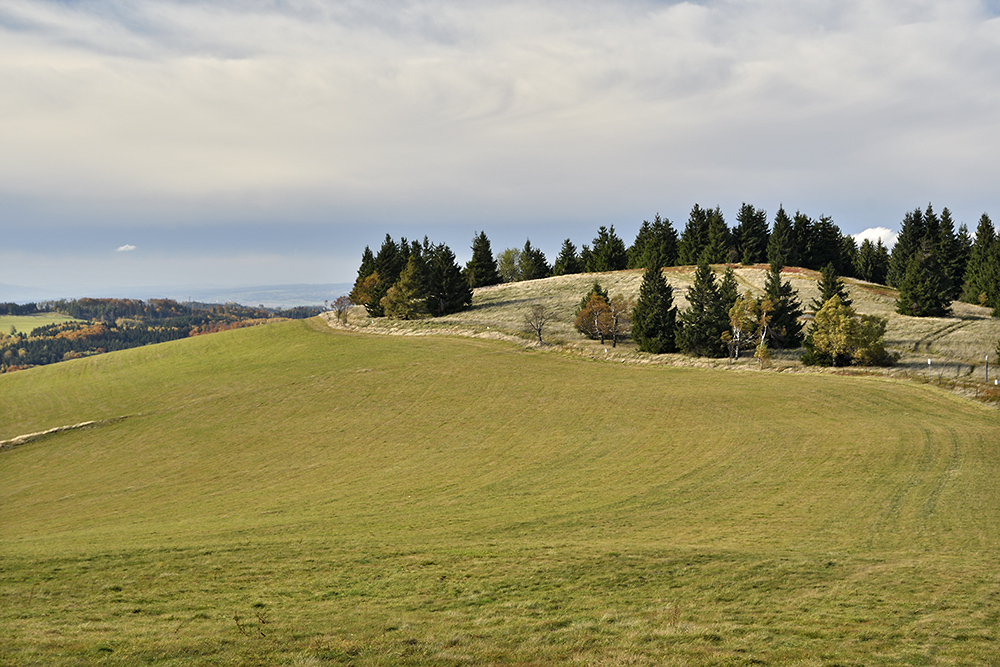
(694, 238)
(785, 329)
(568, 260)
(923, 289)
(872, 262)
(701, 326)
(825, 240)
(780, 244)
(802, 231)
(532, 263)
(481, 270)
(751, 235)
(830, 285)
(407, 299)
(654, 318)
(719, 249)
(608, 252)
(981, 271)
(729, 291)
(908, 244)
(951, 251)
(654, 240)
(447, 290)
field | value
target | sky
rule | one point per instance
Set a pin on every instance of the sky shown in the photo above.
(191, 143)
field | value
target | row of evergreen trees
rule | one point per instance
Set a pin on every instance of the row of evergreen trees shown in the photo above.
(408, 280)
(932, 263)
(704, 328)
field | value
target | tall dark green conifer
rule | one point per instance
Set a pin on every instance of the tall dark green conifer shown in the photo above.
(694, 238)
(447, 290)
(781, 243)
(654, 318)
(872, 262)
(568, 260)
(700, 327)
(532, 263)
(802, 228)
(908, 243)
(982, 272)
(654, 240)
(608, 252)
(923, 288)
(785, 330)
(830, 285)
(720, 243)
(481, 270)
(751, 234)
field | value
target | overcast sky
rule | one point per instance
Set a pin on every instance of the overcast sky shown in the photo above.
(179, 142)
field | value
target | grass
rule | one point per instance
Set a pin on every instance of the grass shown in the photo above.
(957, 345)
(28, 323)
(295, 495)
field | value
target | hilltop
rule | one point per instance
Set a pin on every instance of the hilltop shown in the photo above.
(957, 345)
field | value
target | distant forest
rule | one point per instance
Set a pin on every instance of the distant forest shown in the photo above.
(106, 325)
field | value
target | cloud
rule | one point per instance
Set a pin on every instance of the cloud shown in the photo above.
(125, 248)
(875, 234)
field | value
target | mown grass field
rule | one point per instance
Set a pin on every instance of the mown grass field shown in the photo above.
(28, 323)
(295, 495)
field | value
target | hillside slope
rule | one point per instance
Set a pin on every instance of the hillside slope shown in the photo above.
(291, 494)
(957, 345)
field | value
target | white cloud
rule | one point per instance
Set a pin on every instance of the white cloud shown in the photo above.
(125, 248)
(875, 234)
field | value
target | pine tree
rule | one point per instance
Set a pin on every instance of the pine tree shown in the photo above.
(729, 291)
(824, 244)
(532, 263)
(951, 251)
(981, 271)
(694, 238)
(785, 329)
(830, 285)
(848, 255)
(923, 288)
(802, 231)
(608, 253)
(908, 244)
(751, 234)
(719, 249)
(568, 260)
(407, 299)
(658, 239)
(780, 244)
(701, 326)
(481, 270)
(654, 319)
(873, 262)
(447, 290)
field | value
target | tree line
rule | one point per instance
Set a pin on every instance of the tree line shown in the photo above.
(931, 264)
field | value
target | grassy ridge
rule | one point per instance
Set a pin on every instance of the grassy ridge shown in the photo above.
(290, 494)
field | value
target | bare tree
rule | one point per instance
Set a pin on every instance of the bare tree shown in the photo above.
(618, 320)
(536, 319)
(341, 306)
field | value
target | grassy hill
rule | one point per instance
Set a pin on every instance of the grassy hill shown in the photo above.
(957, 345)
(296, 495)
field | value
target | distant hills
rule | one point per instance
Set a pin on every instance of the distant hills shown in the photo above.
(269, 296)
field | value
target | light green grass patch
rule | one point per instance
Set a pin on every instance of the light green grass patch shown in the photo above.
(27, 323)
(293, 495)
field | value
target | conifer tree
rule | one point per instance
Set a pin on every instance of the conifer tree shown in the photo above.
(407, 299)
(785, 329)
(532, 263)
(951, 251)
(802, 231)
(481, 270)
(729, 291)
(694, 238)
(701, 326)
(982, 269)
(872, 262)
(908, 244)
(568, 260)
(654, 240)
(447, 290)
(654, 319)
(751, 234)
(781, 243)
(923, 289)
(608, 252)
(719, 249)
(830, 285)
(825, 244)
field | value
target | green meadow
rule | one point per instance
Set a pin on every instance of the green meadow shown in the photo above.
(28, 323)
(293, 494)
